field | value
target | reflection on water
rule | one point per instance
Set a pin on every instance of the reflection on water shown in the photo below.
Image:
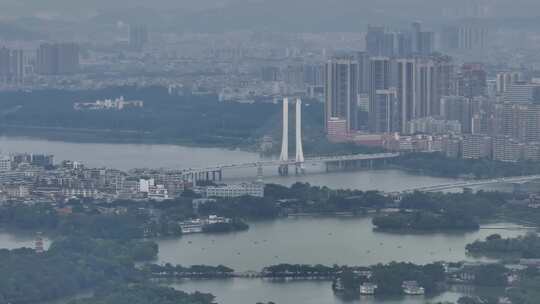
(313, 240)
(250, 291)
(129, 156)
(326, 241)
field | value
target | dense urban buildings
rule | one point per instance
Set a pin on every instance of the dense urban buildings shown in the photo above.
(403, 87)
(58, 58)
(341, 91)
(36, 178)
(138, 37)
(11, 65)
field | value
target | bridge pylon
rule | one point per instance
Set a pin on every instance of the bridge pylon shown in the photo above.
(284, 157)
(283, 169)
(299, 150)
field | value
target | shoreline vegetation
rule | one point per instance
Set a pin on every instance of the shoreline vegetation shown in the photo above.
(523, 247)
(95, 251)
(168, 119)
(127, 219)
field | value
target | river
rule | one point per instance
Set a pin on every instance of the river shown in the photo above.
(308, 240)
(129, 156)
(313, 240)
(320, 240)
(251, 291)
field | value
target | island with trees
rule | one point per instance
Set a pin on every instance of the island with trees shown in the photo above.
(526, 247)
(442, 211)
(70, 266)
(147, 293)
(195, 271)
(424, 221)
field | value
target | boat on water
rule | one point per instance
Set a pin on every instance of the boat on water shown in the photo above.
(412, 288)
(367, 289)
(197, 225)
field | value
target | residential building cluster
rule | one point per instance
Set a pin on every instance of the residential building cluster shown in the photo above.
(36, 178)
(17, 65)
(401, 94)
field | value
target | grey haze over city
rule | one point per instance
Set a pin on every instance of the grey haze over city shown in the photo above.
(282, 15)
(269, 151)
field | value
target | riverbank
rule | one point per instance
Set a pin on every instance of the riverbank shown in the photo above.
(111, 136)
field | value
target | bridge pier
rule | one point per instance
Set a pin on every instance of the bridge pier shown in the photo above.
(299, 168)
(260, 172)
(518, 188)
(283, 170)
(216, 175)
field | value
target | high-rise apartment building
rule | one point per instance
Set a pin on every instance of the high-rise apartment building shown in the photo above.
(505, 80)
(4, 62)
(507, 149)
(520, 121)
(472, 80)
(380, 42)
(470, 36)
(11, 65)
(404, 44)
(138, 37)
(406, 86)
(387, 111)
(58, 58)
(363, 72)
(477, 146)
(458, 108)
(313, 75)
(341, 91)
(522, 92)
(5, 163)
(426, 87)
(380, 79)
(270, 73)
(375, 40)
(423, 43)
(420, 83)
(444, 77)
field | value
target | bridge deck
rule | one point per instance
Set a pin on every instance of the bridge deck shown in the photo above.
(277, 162)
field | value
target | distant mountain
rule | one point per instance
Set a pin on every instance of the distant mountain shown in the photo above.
(275, 15)
(11, 32)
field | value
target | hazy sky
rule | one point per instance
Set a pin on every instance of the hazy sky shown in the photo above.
(298, 15)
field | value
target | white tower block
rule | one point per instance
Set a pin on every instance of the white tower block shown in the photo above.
(299, 149)
(285, 137)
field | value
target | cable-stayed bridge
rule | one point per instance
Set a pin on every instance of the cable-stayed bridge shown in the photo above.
(216, 172)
